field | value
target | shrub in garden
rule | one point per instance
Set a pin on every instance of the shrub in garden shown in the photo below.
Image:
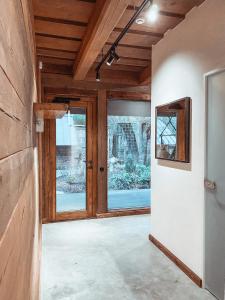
(140, 178)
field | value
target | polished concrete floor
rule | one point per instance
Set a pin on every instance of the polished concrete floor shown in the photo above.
(110, 259)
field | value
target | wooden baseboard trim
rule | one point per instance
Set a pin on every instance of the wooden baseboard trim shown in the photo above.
(78, 215)
(63, 217)
(194, 277)
(45, 221)
(126, 212)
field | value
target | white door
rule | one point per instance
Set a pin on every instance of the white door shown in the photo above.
(215, 186)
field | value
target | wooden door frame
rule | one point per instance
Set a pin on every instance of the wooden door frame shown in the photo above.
(102, 209)
(99, 189)
(50, 167)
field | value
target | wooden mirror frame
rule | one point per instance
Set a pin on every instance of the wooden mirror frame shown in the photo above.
(185, 136)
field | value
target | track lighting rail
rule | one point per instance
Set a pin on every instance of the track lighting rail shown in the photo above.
(121, 35)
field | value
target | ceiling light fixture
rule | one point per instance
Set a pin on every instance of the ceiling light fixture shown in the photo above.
(112, 49)
(153, 13)
(140, 21)
(98, 76)
(112, 57)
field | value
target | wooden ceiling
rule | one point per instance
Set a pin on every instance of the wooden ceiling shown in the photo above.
(71, 36)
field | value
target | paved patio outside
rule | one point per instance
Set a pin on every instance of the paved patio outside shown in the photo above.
(116, 200)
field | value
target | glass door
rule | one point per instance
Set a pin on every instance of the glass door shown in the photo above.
(129, 134)
(74, 163)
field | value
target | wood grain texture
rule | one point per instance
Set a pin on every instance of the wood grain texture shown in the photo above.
(67, 9)
(11, 130)
(130, 61)
(49, 170)
(125, 212)
(15, 54)
(134, 39)
(114, 76)
(120, 95)
(164, 22)
(19, 213)
(194, 277)
(101, 24)
(177, 6)
(13, 173)
(50, 110)
(66, 82)
(18, 248)
(59, 29)
(102, 152)
(145, 75)
(57, 43)
(56, 54)
(80, 30)
(49, 166)
(132, 52)
(113, 79)
(50, 93)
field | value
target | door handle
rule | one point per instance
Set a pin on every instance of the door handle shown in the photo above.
(210, 185)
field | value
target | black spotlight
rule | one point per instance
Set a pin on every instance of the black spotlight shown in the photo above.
(113, 56)
(98, 76)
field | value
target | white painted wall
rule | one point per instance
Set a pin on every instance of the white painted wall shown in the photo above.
(195, 47)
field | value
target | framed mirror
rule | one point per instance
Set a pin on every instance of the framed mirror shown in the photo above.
(172, 136)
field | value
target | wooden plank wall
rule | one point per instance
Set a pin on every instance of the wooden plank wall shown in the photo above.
(19, 211)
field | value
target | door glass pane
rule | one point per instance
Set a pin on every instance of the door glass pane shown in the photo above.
(129, 134)
(71, 161)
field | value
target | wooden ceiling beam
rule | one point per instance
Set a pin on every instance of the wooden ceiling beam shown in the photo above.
(141, 32)
(131, 52)
(120, 77)
(161, 12)
(57, 44)
(70, 56)
(80, 27)
(105, 17)
(59, 29)
(145, 75)
(122, 67)
(123, 95)
(57, 36)
(72, 10)
(50, 93)
(149, 48)
(75, 92)
(69, 63)
(164, 22)
(174, 6)
(134, 39)
(171, 14)
(130, 61)
(75, 32)
(57, 68)
(55, 61)
(63, 44)
(66, 81)
(44, 52)
(60, 21)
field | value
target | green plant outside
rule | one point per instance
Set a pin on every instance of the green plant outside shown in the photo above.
(138, 178)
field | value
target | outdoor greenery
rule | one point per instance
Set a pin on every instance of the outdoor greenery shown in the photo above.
(129, 152)
(133, 177)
